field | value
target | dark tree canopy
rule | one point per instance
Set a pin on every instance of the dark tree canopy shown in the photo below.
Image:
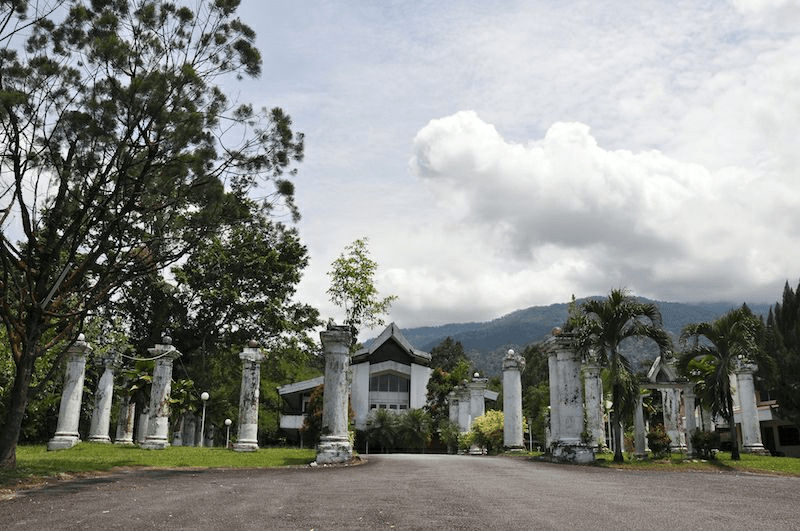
(119, 151)
(783, 346)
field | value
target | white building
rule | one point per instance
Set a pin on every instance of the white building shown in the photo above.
(388, 374)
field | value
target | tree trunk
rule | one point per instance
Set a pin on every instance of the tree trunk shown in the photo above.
(12, 424)
(734, 436)
(616, 431)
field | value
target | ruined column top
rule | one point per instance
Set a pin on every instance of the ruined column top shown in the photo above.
(513, 361)
(252, 352)
(336, 335)
(80, 346)
(165, 349)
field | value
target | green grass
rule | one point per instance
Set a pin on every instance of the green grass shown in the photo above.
(759, 464)
(34, 463)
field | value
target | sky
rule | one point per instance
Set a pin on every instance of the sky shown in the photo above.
(506, 154)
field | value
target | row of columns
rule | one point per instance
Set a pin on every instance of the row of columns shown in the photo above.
(157, 420)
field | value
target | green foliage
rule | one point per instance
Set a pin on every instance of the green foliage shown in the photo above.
(448, 354)
(382, 429)
(353, 288)
(449, 432)
(488, 430)
(440, 384)
(599, 327)
(659, 441)
(705, 443)
(119, 153)
(415, 429)
(783, 346)
(312, 424)
(711, 353)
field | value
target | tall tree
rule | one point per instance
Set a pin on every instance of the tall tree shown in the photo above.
(712, 350)
(783, 346)
(602, 325)
(353, 288)
(118, 152)
(448, 354)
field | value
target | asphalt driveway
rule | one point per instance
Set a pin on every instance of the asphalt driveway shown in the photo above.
(412, 492)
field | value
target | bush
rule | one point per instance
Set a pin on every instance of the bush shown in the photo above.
(488, 429)
(705, 443)
(659, 441)
(449, 432)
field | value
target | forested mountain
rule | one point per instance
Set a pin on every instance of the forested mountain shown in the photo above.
(486, 343)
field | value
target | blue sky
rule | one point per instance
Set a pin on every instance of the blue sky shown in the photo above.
(502, 154)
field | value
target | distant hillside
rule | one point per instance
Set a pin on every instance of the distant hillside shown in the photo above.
(486, 343)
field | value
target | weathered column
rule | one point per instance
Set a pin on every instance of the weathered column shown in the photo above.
(569, 445)
(671, 406)
(748, 408)
(639, 429)
(513, 365)
(103, 398)
(158, 425)
(126, 421)
(69, 411)
(251, 358)
(463, 403)
(690, 423)
(334, 445)
(593, 402)
(452, 407)
(477, 400)
(554, 419)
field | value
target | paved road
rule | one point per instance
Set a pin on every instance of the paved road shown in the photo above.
(413, 492)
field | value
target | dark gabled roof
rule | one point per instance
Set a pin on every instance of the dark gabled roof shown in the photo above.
(392, 333)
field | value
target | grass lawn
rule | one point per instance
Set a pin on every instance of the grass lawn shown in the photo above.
(35, 464)
(759, 464)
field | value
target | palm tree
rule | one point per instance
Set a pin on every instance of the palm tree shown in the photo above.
(602, 325)
(712, 351)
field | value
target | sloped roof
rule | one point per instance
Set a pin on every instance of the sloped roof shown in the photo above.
(664, 368)
(305, 385)
(392, 332)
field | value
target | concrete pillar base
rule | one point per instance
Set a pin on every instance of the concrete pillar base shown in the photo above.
(100, 439)
(333, 449)
(154, 444)
(245, 446)
(124, 442)
(573, 453)
(62, 442)
(756, 449)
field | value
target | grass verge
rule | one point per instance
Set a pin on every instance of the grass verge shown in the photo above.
(35, 464)
(759, 464)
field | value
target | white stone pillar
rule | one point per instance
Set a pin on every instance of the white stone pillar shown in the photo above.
(554, 419)
(690, 422)
(452, 407)
(639, 429)
(464, 407)
(751, 429)
(334, 445)
(69, 411)
(513, 365)
(477, 400)
(593, 386)
(103, 398)
(251, 358)
(158, 425)
(671, 406)
(126, 421)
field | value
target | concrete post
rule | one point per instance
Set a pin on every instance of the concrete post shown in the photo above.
(569, 445)
(477, 401)
(334, 445)
(593, 387)
(690, 423)
(127, 417)
(639, 429)
(158, 425)
(251, 358)
(671, 405)
(751, 430)
(513, 365)
(464, 407)
(69, 411)
(103, 398)
(554, 418)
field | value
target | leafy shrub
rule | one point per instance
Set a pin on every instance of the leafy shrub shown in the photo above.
(449, 432)
(659, 441)
(705, 443)
(488, 429)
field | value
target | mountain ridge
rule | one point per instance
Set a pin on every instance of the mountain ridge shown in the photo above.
(486, 342)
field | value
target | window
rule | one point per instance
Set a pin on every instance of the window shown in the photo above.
(388, 383)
